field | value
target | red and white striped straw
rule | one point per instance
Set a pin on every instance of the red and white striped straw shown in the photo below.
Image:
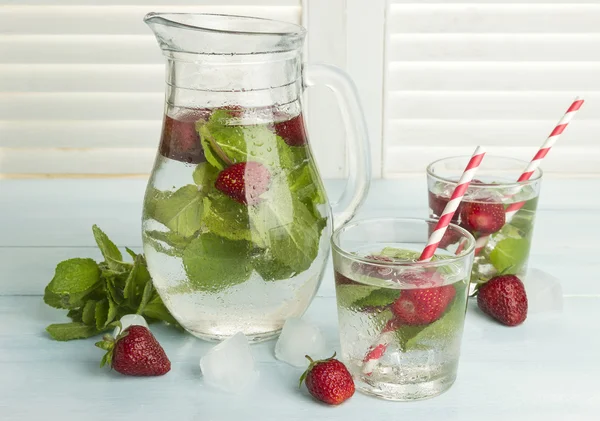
(535, 163)
(452, 205)
(387, 335)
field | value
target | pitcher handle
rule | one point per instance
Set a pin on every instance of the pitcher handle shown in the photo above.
(357, 138)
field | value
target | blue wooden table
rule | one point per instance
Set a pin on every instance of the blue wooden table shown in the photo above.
(546, 369)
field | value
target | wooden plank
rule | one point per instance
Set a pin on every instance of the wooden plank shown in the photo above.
(494, 18)
(82, 78)
(368, 47)
(325, 43)
(494, 76)
(80, 133)
(468, 132)
(571, 160)
(35, 266)
(534, 353)
(82, 49)
(489, 105)
(147, 2)
(494, 47)
(81, 106)
(58, 215)
(76, 160)
(116, 20)
(474, 1)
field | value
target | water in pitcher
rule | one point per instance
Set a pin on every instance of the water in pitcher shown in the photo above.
(235, 219)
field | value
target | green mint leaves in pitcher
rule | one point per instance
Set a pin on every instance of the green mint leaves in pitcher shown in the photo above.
(236, 221)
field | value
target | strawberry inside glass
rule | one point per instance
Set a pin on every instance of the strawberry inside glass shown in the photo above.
(235, 221)
(503, 239)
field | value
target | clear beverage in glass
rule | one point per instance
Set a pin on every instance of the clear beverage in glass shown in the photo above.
(503, 239)
(400, 320)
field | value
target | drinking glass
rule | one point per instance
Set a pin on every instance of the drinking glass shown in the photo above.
(400, 319)
(498, 211)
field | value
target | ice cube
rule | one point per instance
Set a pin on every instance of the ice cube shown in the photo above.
(544, 292)
(298, 339)
(229, 366)
(128, 320)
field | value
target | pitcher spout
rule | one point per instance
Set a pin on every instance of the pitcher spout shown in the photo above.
(204, 33)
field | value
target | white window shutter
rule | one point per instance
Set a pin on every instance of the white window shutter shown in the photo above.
(82, 82)
(461, 73)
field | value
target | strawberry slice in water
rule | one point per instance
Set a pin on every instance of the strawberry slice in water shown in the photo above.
(292, 131)
(180, 140)
(423, 305)
(483, 218)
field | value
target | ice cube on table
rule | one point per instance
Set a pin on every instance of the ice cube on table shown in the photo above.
(229, 366)
(128, 320)
(544, 292)
(299, 338)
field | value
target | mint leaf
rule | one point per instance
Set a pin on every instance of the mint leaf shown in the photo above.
(131, 252)
(75, 314)
(156, 309)
(510, 254)
(112, 311)
(136, 282)
(73, 280)
(52, 299)
(348, 295)
(523, 222)
(168, 243)
(181, 211)
(146, 295)
(69, 331)
(213, 263)
(205, 176)
(445, 328)
(101, 313)
(306, 184)
(211, 156)
(228, 219)
(114, 292)
(152, 197)
(287, 227)
(237, 143)
(400, 254)
(111, 253)
(89, 313)
(271, 269)
(379, 298)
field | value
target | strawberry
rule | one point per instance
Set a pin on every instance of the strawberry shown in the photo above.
(437, 205)
(483, 218)
(343, 280)
(328, 381)
(423, 305)
(504, 298)
(135, 352)
(292, 131)
(450, 237)
(180, 141)
(244, 182)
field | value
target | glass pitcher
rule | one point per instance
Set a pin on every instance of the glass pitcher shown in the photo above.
(236, 222)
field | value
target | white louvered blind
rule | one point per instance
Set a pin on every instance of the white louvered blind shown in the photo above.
(498, 73)
(82, 82)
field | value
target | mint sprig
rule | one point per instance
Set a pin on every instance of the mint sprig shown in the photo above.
(222, 242)
(97, 295)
